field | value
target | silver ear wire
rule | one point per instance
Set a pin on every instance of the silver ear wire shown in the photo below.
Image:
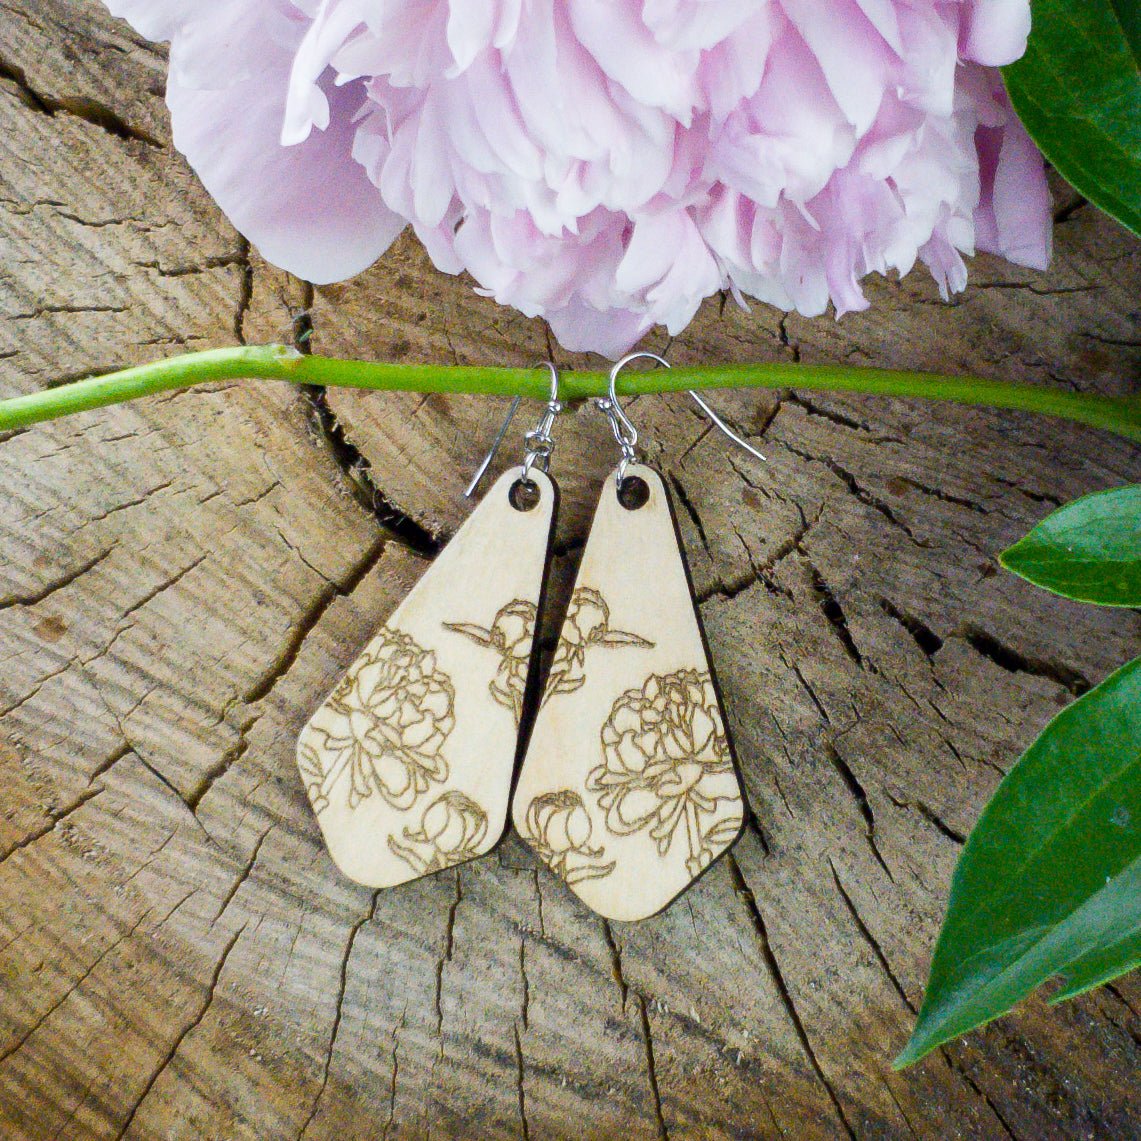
(481, 471)
(625, 432)
(538, 440)
(738, 440)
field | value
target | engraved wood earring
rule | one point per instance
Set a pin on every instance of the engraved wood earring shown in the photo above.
(408, 763)
(628, 790)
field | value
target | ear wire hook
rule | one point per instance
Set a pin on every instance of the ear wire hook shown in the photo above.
(627, 435)
(481, 471)
(538, 440)
(738, 440)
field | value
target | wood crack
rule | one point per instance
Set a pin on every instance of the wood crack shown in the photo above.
(1013, 661)
(932, 818)
(446, 957)
(400, 526)
(980, 1093)
(131, 502)
(182, 1035)
(804, 684)
(18, 1044)
(335, 1030)
(525, 1004)
(354, 466)
(652, 1069)
(862, 803)
(183, 269)
(281, 666)
(745, 895)
(691, 511)
(520, 1071)
(895, 1101)
(35, 597)
(54, 820)
(861, 494)
(165, 585)
(245, 288)
(615, 962)
(242, 876)
(921, 634)
(838, 418)
(79, 106)
(21, 701)
(870, 939)
(395, 1073)
(832, 610)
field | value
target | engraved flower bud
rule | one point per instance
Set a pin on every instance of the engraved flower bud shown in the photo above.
(510, 637)
(454, 824)
(513, 627)
(559, 827)
(512, 633)
(559, 822)
(587, 624)
(587, 617)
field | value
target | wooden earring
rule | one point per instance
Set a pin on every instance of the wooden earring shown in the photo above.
(629, 789)
(408, 763)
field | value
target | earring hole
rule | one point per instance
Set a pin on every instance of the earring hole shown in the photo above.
(633, 492)
(524, 495)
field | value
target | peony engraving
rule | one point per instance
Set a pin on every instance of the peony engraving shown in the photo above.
(384, 726)
(510, 635)
(451, 831)
(558, 826)
(587, 624)
(666, 762)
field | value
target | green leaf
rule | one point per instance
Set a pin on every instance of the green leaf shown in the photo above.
(1078, 92)
(1089, 550)
(1128, 14)
(1050, 879)
(1106, 963)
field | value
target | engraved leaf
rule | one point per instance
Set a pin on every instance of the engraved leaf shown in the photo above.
(478, 634)
(589, 872)
(614, 638)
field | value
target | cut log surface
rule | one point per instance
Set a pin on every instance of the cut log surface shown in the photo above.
(184, 579)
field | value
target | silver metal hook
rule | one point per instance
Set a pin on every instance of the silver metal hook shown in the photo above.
(738, 440)
(538, 440)
(481, 471)
(625, 434)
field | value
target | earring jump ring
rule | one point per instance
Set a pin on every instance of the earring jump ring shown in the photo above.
(625, 434)
(538, 441)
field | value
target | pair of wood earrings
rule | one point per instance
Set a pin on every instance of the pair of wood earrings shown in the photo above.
(628, 789)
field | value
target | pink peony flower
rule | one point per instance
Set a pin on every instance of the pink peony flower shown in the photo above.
(607, 164)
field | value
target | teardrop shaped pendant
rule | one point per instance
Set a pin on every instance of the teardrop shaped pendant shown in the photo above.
(629, 790)
(408, 763)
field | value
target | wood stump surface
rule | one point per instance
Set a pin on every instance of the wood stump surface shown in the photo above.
(183, 579)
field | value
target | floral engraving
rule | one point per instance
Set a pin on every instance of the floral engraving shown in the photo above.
(451, 831)
(666, 760)
(510, 635)
(587, 624)
(384, 725)
(557, 825)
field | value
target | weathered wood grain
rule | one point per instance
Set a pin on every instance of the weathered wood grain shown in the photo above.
(181, 581)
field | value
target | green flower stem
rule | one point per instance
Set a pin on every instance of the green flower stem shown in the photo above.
(278, 362)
